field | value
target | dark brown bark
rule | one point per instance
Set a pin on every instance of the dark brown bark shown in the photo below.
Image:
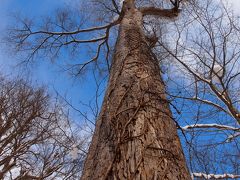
(135, 136)
(169, 13)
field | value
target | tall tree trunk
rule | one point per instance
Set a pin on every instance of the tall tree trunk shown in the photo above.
(135, 136)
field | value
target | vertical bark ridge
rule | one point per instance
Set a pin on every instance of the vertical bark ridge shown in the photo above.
(135, 136)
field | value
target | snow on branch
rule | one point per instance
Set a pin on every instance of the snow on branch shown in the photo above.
(217, 126)
(231, 137)
(214, 176)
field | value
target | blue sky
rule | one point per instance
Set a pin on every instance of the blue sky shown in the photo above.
(46, 73)
(43, 73)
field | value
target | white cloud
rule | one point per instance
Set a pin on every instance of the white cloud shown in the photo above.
(74, 153)
(235, 4)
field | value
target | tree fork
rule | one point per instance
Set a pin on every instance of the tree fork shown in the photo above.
(135, 137)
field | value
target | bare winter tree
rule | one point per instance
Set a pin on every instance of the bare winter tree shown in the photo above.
(136, 135)
(37, 140)
(205, 58)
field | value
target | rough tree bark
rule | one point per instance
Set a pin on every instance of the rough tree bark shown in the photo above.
(135, 135)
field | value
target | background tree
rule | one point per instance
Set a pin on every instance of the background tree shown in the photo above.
(206, 53)
(37, 139)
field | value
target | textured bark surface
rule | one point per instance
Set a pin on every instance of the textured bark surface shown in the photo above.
(135, 136)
